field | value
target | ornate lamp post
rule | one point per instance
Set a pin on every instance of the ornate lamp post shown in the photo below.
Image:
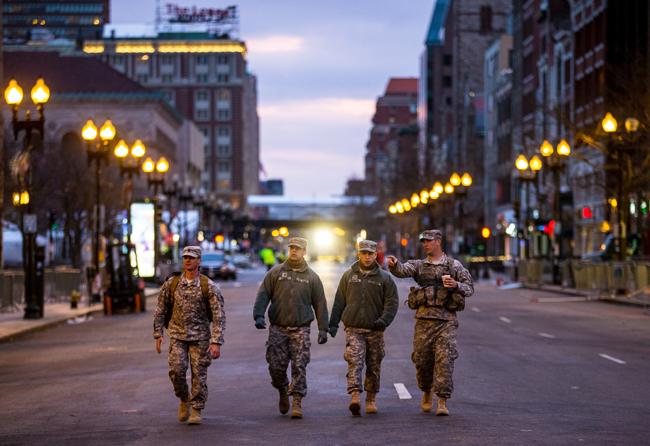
(40, 94)
(98, 150)
(527, 171)
(156, 171)
(129, 166)
(614, 147)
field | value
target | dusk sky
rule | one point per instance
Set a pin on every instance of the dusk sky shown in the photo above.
(320, 67)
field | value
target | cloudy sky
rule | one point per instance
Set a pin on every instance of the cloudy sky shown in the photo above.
(320, 66)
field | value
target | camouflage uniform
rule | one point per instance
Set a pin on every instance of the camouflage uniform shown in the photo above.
(190, 334)
(294, 293)
(434, 339)
(366, 301)
(289, 344)
(363, 347)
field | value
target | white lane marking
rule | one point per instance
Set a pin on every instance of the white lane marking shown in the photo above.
(236, 285)
(546, 335)
(504, 319)
(476, 310)
(402, 391)
(611, 358)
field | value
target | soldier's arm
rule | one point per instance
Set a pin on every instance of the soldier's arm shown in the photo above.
(402, 270)
(339, 302)
(391, 301)
(161, 309)
(318, 302)
(218, 314)
(263, 298)
(464, 281)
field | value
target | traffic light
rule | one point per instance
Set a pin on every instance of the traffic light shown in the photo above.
(486, 232)
(219, 238)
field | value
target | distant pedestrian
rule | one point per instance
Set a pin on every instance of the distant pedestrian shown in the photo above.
(294, 292)
(187, 304)
(444, 284)
(268, 257)
(366, 300)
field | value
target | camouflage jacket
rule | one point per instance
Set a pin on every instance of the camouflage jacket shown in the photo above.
(294, 296)
(189, 319)
(361, 298)
(427, 273)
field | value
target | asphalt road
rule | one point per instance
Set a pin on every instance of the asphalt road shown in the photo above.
(534, 368)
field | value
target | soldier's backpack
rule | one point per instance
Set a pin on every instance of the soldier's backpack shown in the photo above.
(205, 292)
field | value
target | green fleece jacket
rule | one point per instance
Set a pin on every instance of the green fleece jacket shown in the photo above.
(294, 295)
(362, 299)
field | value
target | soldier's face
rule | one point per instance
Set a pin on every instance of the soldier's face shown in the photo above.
(296, 253)
(367, 258)
(191, 264)
(431, 247)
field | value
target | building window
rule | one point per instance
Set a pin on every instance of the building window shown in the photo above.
(202, 59)
(167, 59)
(206, 141)
(223, 59)
(167, 78)
(142, 78)
(202, 78)
(224, 167)
(170, 96)
(223, 132)
(224, 150)
(223, 78)
(201, 114)
(446, 60)
(201, 96)
(446, 81)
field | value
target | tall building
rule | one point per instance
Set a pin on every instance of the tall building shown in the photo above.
(451, 115)
(77, 20)
(395, 110)
(206, 79)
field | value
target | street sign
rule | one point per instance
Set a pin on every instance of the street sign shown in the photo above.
(29, 223)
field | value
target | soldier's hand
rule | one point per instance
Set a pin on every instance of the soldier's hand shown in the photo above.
(333, 331)
(260, 324)
(159, 342)
(214, 350)
(379, 325)
(392, 261)
(322, 336)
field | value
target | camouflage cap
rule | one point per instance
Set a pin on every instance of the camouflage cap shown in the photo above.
(431, 234)
(298, 242)
(368, 246)
(192, 251)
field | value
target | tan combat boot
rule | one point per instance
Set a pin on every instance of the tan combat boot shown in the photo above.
(355, 403)
(183, 411)
(296, 409)
(442, 407)
(195, 417)
(427, 401)
(371, 405)
(283, 405)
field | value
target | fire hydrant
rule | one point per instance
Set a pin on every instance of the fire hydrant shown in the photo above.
(74, 299)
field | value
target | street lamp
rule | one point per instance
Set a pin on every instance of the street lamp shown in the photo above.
(129, 166)
(40, 94)
(609, 125)
(555, 159)
(156, 171)
(527, 170)
(98, 151)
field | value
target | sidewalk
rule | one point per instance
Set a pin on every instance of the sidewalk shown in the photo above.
(638, 298)
(12, 325)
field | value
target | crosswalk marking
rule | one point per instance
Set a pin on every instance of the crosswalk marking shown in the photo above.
(402, 391)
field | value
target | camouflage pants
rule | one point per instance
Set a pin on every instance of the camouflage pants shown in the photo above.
(196, 354)
(363, 347)
(434, 352)
(288, 344)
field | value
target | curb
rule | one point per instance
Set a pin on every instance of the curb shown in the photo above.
(45, 326)
(592, 297)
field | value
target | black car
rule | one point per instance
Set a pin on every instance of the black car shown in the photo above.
(216, 265)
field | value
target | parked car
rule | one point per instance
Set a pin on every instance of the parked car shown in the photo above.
(242, 261)
(216, 265)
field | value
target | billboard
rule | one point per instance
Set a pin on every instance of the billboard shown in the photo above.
(143, 237)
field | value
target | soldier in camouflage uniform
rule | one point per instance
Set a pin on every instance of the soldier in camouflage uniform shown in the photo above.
(444, 285)
(292, 289)
(186, 304)
(366, 300)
